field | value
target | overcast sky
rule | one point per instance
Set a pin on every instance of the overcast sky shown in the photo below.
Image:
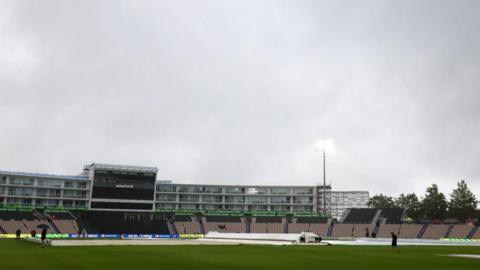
(237, 92)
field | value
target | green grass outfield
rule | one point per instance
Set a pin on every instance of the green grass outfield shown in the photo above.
(25, 255)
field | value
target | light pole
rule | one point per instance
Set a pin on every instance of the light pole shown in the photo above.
(324, 186)
(321, 146)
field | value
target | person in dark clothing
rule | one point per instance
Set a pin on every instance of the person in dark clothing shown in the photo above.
(367, 232)
(18, 232)
(33, 233)
(394, 243)
(44, 237)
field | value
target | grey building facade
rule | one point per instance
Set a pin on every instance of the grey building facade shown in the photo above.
(118, 187)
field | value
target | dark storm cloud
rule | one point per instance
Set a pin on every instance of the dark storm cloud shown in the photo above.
(238, 91)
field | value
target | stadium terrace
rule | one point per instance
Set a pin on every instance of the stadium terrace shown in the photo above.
(113, 201)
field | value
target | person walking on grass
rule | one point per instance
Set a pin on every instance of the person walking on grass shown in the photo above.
(394, 243)
(18, 232)
(44, 237)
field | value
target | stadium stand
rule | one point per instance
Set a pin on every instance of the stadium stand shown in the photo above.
(476, 233)
(409, 230)
(123, 223)
(360, 216)
(16, 215)
(434, 231)
(392, 215)
(265, 224)
(360, 230)
(311, 220)
(10, 221)
(385, 229)
(460, 231)
(342, 230)
(64, 222)
(317, 225)
(230, 224)
(185, 224)
(10, 226)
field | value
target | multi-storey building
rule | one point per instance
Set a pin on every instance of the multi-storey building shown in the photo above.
(118, 187)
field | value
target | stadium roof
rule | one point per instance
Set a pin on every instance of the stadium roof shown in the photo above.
(117, 167)
(44, 175)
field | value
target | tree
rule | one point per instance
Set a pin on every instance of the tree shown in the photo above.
(381, 201)
(462, 202)
(411, 204)
(434, 205)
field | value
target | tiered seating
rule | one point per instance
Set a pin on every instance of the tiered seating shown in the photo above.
(33, 225)
(267, 225)
(409, 230)
(16, 215)
(60, 215)
(228, 224)
(309, 224)
(360, 216)
(435, 231)
(66, 226)
(343, 230)
(11, 226)
(128, 223)
(385, 230)
(267, 228)
(319, 229)
(476, 235)
(393, 215)
(11, 221)
(185, 225)
(64, 221)
(360, 230)
(460, 231)
(225, 227)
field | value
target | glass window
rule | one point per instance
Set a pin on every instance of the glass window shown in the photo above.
(166, 188)
(253, 190)
(187, 189)
(165, 206)
(276, 199)
(75, 194)
(67, 203)
(21, 181)
(212, 198)
(234, 199)
(303, 191)
(280, 208)
(49, 183)
(257, 199)
(166, 197)
(16, 191)
(234, 190)
(189, 198)
(302, 200)
(280, 191)
(80, 204)
(188, 206)
(211, 189)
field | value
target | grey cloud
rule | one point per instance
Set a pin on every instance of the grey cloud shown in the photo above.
(238, 91)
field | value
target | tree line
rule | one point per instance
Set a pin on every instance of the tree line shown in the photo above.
(433, 205)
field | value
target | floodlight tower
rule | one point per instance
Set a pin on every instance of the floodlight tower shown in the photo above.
(321, 146)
